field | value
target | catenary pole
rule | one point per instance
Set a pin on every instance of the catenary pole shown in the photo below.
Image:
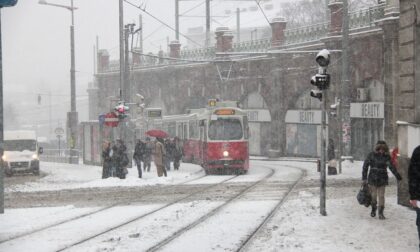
(1, 127)
(343, 109)
(323, 154)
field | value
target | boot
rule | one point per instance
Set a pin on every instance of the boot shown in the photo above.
(373, 213)
(381, 213)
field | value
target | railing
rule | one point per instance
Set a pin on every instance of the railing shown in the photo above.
(306, 33)
(199, 53)
(57, 155)
(366, 17)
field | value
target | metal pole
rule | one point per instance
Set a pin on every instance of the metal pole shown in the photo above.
(126, 89)
(72, 70)
(323, 152)
(72, 116)
(207, 23)
(1, 128)
(121, 30)
(238, 25)
(176, 19)
(141, 33)
(344, 109)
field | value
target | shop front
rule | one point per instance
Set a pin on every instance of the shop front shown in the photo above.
(303, 128)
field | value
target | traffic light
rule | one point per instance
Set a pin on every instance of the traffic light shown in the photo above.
(121, 109)
(316, 94)
(321, 80)
(7, 3)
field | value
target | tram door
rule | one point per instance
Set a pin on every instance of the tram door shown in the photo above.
(203, 139)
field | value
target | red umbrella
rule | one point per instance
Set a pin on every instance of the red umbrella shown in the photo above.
(157, 133)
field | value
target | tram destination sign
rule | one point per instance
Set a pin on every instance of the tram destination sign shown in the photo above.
(154, 113)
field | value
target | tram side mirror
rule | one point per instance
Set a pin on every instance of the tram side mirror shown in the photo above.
(246, 135)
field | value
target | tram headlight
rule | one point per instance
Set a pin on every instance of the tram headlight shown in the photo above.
(226, 154)
(35, 156)
(4, 157)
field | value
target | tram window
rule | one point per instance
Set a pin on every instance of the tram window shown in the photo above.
(225, 129)
(185, 136)
(193, 133)
(246, 127)
(172, 129)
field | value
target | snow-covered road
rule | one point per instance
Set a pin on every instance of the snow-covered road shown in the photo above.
(296, 226)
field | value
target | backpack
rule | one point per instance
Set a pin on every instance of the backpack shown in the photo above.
(363, 196)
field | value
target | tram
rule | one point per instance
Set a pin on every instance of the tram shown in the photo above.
(216, 137)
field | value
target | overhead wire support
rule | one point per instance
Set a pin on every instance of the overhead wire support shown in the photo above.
(259, 6)
(160, 21)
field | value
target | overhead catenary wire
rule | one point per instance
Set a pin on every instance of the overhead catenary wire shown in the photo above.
(258, 3)
(160, 21)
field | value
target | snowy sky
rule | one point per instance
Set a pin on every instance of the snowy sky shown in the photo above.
(36, 43)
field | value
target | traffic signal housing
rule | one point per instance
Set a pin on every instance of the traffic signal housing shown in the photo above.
(321, 81)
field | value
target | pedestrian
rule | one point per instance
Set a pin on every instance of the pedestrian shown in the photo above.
(376, 163)
(106, 159)
(121, 159)
(158, 155)
(147, 157)
(138, 155)
(177, 153)
(414, 184)
(168, 154)
(114, 161)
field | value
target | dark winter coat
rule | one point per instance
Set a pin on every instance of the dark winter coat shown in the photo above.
(377, 163)
(139, 151)
(107, 162)
(414, 175)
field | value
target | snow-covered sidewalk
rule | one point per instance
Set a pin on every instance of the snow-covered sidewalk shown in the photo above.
(297, 226)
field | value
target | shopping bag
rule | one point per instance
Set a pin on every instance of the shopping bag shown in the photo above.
(363, 196)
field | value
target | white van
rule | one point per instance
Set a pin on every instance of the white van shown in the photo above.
(21, 152)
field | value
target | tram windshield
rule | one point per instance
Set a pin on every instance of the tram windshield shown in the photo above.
(225, 129)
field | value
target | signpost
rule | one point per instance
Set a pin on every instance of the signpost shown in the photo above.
(60, 133)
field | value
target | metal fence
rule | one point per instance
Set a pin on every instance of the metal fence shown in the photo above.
(58, 155)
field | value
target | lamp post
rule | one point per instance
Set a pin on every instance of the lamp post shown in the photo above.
(72, 116)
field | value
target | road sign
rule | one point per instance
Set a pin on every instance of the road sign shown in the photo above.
(59, 131)
(111, 120)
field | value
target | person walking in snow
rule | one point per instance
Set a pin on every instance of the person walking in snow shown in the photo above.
(158, 155)
(414, 184)
(177, 153)
(376, 163)
(106, 160)
(147, 157)
(138, 155)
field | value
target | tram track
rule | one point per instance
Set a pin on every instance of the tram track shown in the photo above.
(245, 244)
(86, 239)
(213, 212)
(80, 216)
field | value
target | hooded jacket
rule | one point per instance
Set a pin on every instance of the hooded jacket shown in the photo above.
(414, 175)
(376, 163)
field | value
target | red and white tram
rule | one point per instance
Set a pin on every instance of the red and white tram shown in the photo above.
(215, 137)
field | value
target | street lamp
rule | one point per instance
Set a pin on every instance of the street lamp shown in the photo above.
(72, 117)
